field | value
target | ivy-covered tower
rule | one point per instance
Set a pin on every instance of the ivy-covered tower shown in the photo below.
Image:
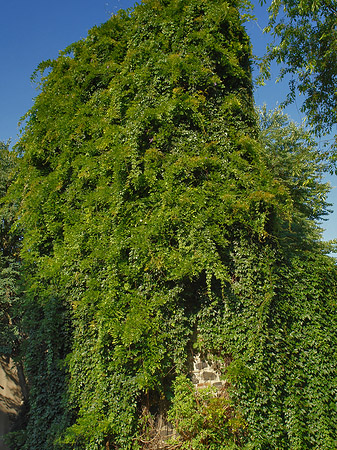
(148, 211)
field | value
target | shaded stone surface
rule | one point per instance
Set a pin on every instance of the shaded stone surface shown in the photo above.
(208, 376)
(10, 397)
(200, 365)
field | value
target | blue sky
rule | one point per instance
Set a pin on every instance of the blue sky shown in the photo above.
(31, 32)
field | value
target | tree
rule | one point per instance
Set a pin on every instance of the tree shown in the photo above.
(306, 47)
(292, 155)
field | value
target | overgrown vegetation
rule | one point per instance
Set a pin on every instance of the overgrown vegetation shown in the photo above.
(204, 419)
(161, 218)
(9, 259)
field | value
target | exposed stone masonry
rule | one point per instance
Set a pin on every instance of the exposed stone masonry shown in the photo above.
(10, 397)
(206, 372)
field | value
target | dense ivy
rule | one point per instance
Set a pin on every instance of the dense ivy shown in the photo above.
(160, 219)
(10, 279)
(277, 319)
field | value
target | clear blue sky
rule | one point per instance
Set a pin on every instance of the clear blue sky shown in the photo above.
(31, 32)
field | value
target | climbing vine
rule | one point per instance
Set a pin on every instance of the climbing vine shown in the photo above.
(159, 220)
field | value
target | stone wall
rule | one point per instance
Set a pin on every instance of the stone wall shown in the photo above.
(206, 372)
(10, 397)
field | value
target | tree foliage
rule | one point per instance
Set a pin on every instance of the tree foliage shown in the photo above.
(293, 156)
(305, 45)
(160, 219)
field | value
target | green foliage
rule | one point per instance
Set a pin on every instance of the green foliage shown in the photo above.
(277, 322)
(46, 324)
(131, 194)
(305, 45)
(277, 319)
(113, 407)
(203, 420)
(10, 285)
(156, 220)
(293, 156)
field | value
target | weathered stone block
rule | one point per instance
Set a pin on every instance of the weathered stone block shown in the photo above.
(218, 384)
(10, 397)
(208, 376)
(195, 379)
(200, 365)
